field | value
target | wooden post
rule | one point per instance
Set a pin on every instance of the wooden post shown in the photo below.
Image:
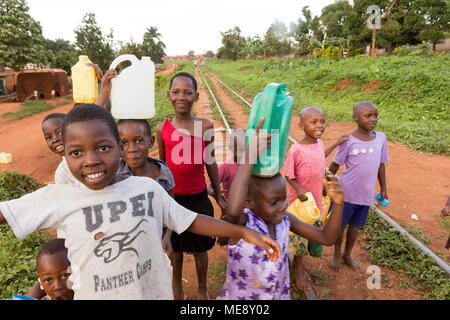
(374, 38)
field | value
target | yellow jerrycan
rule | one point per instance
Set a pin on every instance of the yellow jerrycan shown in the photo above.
(84, 82)
(306, 211)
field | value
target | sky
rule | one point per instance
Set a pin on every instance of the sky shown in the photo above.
(184, 25)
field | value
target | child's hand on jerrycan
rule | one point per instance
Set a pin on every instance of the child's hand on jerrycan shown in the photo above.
(258, 143)
(334, 190)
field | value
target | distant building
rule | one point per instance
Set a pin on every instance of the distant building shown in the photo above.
(7, 81)
(44, 80)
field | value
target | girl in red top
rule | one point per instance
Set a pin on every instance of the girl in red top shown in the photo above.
(186, 144)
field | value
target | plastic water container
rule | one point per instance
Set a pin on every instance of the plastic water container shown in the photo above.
(306, 211)
(275, 105)
(133, 90)
(5, 158)
(84, 82)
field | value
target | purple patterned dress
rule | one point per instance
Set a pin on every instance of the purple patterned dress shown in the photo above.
(250, 274)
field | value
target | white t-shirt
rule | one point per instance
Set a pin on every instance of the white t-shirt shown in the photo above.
(63, 174)
(128, 261)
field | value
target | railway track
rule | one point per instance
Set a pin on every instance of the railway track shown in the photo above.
(441, 263)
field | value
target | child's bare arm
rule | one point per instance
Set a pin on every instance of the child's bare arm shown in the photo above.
(211, 165)
(105, 89)
(329, 233)
(161, 149)
(239, 188)
(334, 167)
(208, 226)
(340, 140)
(382, 181)
(298, 189)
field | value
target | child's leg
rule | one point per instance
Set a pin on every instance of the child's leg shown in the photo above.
(201, 266)
(300, 273)
(357, 221)
(177, 266)
(352, 233)
(337, 257)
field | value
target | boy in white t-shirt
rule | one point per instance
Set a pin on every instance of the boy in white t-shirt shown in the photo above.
(113, 228)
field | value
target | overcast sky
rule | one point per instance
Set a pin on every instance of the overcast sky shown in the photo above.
(184, 24)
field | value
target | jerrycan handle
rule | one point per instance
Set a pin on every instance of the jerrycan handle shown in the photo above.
(122, 58)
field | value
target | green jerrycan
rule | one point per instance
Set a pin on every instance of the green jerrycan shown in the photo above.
(275, 105)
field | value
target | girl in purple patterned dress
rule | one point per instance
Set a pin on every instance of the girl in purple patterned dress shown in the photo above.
(259, 203)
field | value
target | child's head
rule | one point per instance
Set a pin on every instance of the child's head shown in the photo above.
(365, 113)
(312, 121)
(267, 198)
(51, 128)
(136, 140)
(236, 144)
(51, 268)
(182, 92)
(92, 145)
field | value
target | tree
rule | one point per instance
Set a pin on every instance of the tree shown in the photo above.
(91, 42)
(436, 22)
(209, 54)
(21, 40)
(232, 44)
(152, 46)
(309, 32)
(64, 54)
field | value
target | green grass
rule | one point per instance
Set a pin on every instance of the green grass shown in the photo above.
(388, 248)
(412, 94)
(31, 107)
(18, 257)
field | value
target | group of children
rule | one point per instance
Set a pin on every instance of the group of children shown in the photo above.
(120, 211)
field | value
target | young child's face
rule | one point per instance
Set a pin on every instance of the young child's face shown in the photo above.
(135, 143)
(182, 94)
(53, 275)
(268, 201)
(313, 124)
(92, 153)
(52, 134)
(366, 117)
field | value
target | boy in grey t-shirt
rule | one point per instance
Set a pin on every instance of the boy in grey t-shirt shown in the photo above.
(113, 228)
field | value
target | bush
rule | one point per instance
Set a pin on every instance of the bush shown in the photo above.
(18, 257)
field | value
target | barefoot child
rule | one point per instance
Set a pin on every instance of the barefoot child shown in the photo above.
(52, 267)
(364, 154)
(260, 204)
(304, 171)
(182, 146)
(113, 227)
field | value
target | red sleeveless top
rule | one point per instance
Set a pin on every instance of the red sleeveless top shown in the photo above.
(184, 157)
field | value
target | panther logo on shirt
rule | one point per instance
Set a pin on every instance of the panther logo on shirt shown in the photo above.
(110, 248)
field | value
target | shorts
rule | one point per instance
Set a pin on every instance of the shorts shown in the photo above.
(299, 246)
(354, 214)
(190, 242)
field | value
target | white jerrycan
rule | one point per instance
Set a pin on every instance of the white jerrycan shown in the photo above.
(133, 90)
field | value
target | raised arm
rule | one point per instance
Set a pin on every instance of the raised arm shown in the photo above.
(105, 89)
(341, 139)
